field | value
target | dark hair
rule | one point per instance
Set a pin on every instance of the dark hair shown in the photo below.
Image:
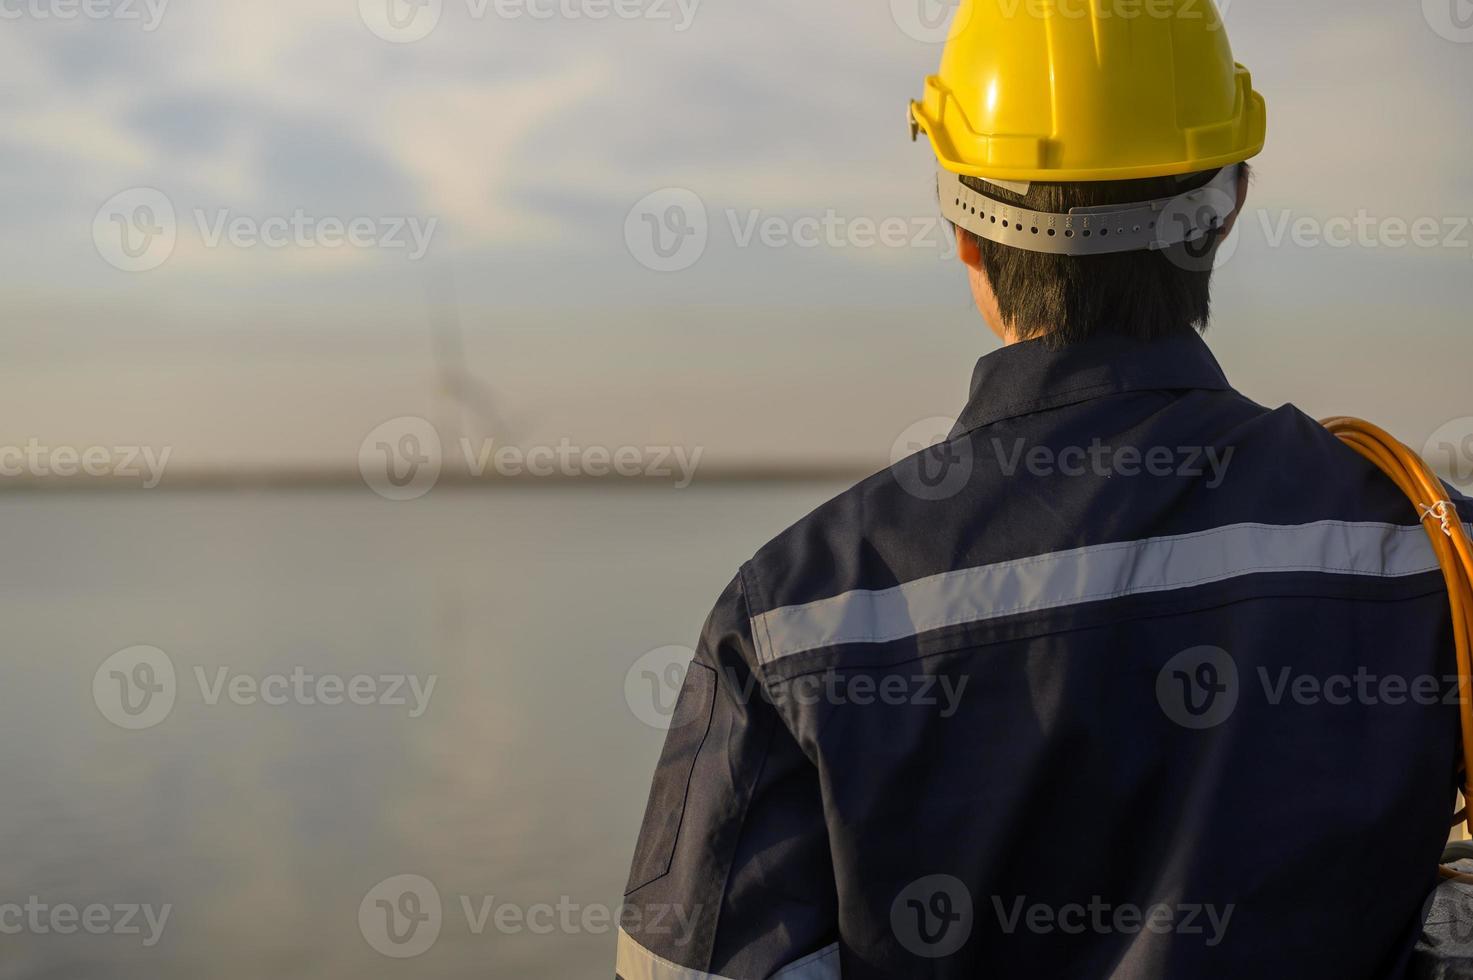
(1068, 298)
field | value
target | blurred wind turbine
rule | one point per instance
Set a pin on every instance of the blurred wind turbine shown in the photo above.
(460, 396)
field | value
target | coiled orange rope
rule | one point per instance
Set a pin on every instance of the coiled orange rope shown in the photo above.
(1454, 553)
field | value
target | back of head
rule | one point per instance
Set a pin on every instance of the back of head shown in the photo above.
(1145, 294)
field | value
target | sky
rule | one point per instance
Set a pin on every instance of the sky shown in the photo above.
(506, 162)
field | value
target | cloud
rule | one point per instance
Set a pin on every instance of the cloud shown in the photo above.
(529, 140)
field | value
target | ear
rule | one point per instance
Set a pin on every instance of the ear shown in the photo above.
(1227, 229)
(968, 250)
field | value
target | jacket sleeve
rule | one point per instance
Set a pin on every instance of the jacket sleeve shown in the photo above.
(731, 877)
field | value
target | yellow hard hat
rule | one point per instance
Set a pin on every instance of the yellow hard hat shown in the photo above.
(1086, 90)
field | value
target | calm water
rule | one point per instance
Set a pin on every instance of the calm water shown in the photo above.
(263, 827)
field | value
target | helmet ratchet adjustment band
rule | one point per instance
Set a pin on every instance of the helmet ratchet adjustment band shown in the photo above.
(1145, 226)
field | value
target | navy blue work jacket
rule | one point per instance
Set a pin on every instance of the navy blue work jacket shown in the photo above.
(1130, 677)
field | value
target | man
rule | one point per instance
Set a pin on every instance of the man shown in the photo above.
(1130, 677)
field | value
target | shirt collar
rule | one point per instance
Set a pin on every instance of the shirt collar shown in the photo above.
(1031, 376)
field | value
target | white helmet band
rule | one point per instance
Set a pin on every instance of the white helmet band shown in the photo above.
(1149, 225)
